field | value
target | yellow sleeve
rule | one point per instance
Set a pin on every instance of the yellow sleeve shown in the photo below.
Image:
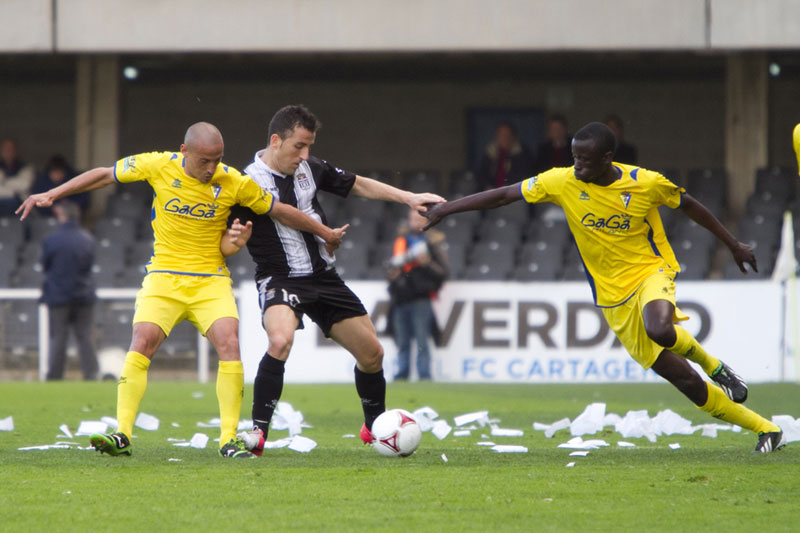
(796, 144)
(542, 188)
(251, 195)
(140, 166)
(664, 191)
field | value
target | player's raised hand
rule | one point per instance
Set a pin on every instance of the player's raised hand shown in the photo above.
(34, 200)
(434, 213)
(743, 254)
(337, 235)
(422, 201)
(239, 233)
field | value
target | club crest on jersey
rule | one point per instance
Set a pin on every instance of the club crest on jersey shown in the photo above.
(626, 198)
(177, 183)
(217, 188)
(303, 181)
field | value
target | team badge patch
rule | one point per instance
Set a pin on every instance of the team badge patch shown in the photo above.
(626, 199)
(217, 188)
(303, 181)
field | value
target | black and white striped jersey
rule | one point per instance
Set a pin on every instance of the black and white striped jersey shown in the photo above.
(279, 250)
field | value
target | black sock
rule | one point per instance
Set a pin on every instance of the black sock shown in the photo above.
(372, 390)
(267, 390)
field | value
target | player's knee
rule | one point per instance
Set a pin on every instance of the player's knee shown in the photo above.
(373, 361)
(662, 334)
(228, 348)
(279, 347)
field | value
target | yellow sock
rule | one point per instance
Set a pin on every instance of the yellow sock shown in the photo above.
(687, 346)
(230, 388)
(720, 406)
(130, 390)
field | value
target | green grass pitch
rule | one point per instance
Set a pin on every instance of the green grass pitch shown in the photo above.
(707, 484)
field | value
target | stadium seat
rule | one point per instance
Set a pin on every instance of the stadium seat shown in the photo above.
(423, 181)
(131, 276)
(462, 183)
(767, 203)
(116, 229)
(182, 341)
(104, 274)
(760, 232)
(21, 327)
(548, 230)
(704, 182)
(572, 269)
(41, 226)
(500, 229)
(27, 276)
(12, 231)
(780, 181)
(115, 322)
(490, 260)
(545, 267)
(140, 252)
(458, 230)
(695, 262)
(352, 258)
(456, 258)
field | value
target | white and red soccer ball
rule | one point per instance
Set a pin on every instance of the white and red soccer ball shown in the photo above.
(396, 433)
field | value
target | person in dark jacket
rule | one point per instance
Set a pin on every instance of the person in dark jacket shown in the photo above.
(417, 269)
(68, 291)
(505, 160)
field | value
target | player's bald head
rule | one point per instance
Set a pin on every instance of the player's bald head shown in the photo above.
(202, 134)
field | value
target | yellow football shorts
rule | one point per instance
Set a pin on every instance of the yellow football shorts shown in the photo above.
(627, 320)
(166, 299)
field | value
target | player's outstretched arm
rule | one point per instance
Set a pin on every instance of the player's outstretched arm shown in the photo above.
(294, 218)
(474, 202)
(700, 214)
(87, 181)
(376, 190)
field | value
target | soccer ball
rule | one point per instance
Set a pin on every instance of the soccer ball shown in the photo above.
(396, 433)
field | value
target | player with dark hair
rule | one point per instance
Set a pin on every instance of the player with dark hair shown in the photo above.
(612, 212)
(186, 276)
(295, 272)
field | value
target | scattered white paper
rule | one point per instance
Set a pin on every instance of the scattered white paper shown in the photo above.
(509, 448)
(501, 432)
(556, 426)
(175, 425)
(444, 458)
(611, 419)
(280, 443)
(183, 444)
(199, 441)
(286, 417)
(111, 421)
(736, 429)
(441, 429)
(302, 444)
(244, 425)
(790, 427)
(87, 427)
(425, 417)
(146, 422)
(668, 422)
(636, 424)
(625, 444)
(462, 433)
(674, 446)
(583, 453)
(45, 447)
(479, 417)
(174, 460)
(590, 421)
(577, 443)
(212, 423)
(7, 423)
(197, 395)
(569, 465)
(348, 436)
(175, 439)
(63, 428)
(485, 443)
(709, 430)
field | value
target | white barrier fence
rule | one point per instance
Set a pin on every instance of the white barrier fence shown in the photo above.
(510, 332)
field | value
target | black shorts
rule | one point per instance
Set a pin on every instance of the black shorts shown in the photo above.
(324, 298)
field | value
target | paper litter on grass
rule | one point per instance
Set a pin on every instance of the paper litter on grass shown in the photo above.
(569, 465)
(577, 443)
(509, 448)
(45, 447)
(425, 417)
(636, 424)
(147, 422)
(625, 444)
(212, 423)
(485, 443)
(674, 446)
(444, 458)
(502, 432)
(88, 427)
(63, 428)
(551, 429)
(199, 441)
(302, 444)
(790, 426)
(441, 429)
(111, 421)
(7, 423)
(275, 444)
(286, 417)
(590, 421)
(462, 433)
(479, 417)
(579, 453)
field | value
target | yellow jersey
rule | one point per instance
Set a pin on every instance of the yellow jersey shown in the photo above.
(796, 144)
(187, 215)
(617, 228)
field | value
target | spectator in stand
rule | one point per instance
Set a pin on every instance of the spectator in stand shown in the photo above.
(626, 152)
(505, 160)
(55, 173)
(556, 150)
(417, 269)
(68, 291)
(16, 177)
